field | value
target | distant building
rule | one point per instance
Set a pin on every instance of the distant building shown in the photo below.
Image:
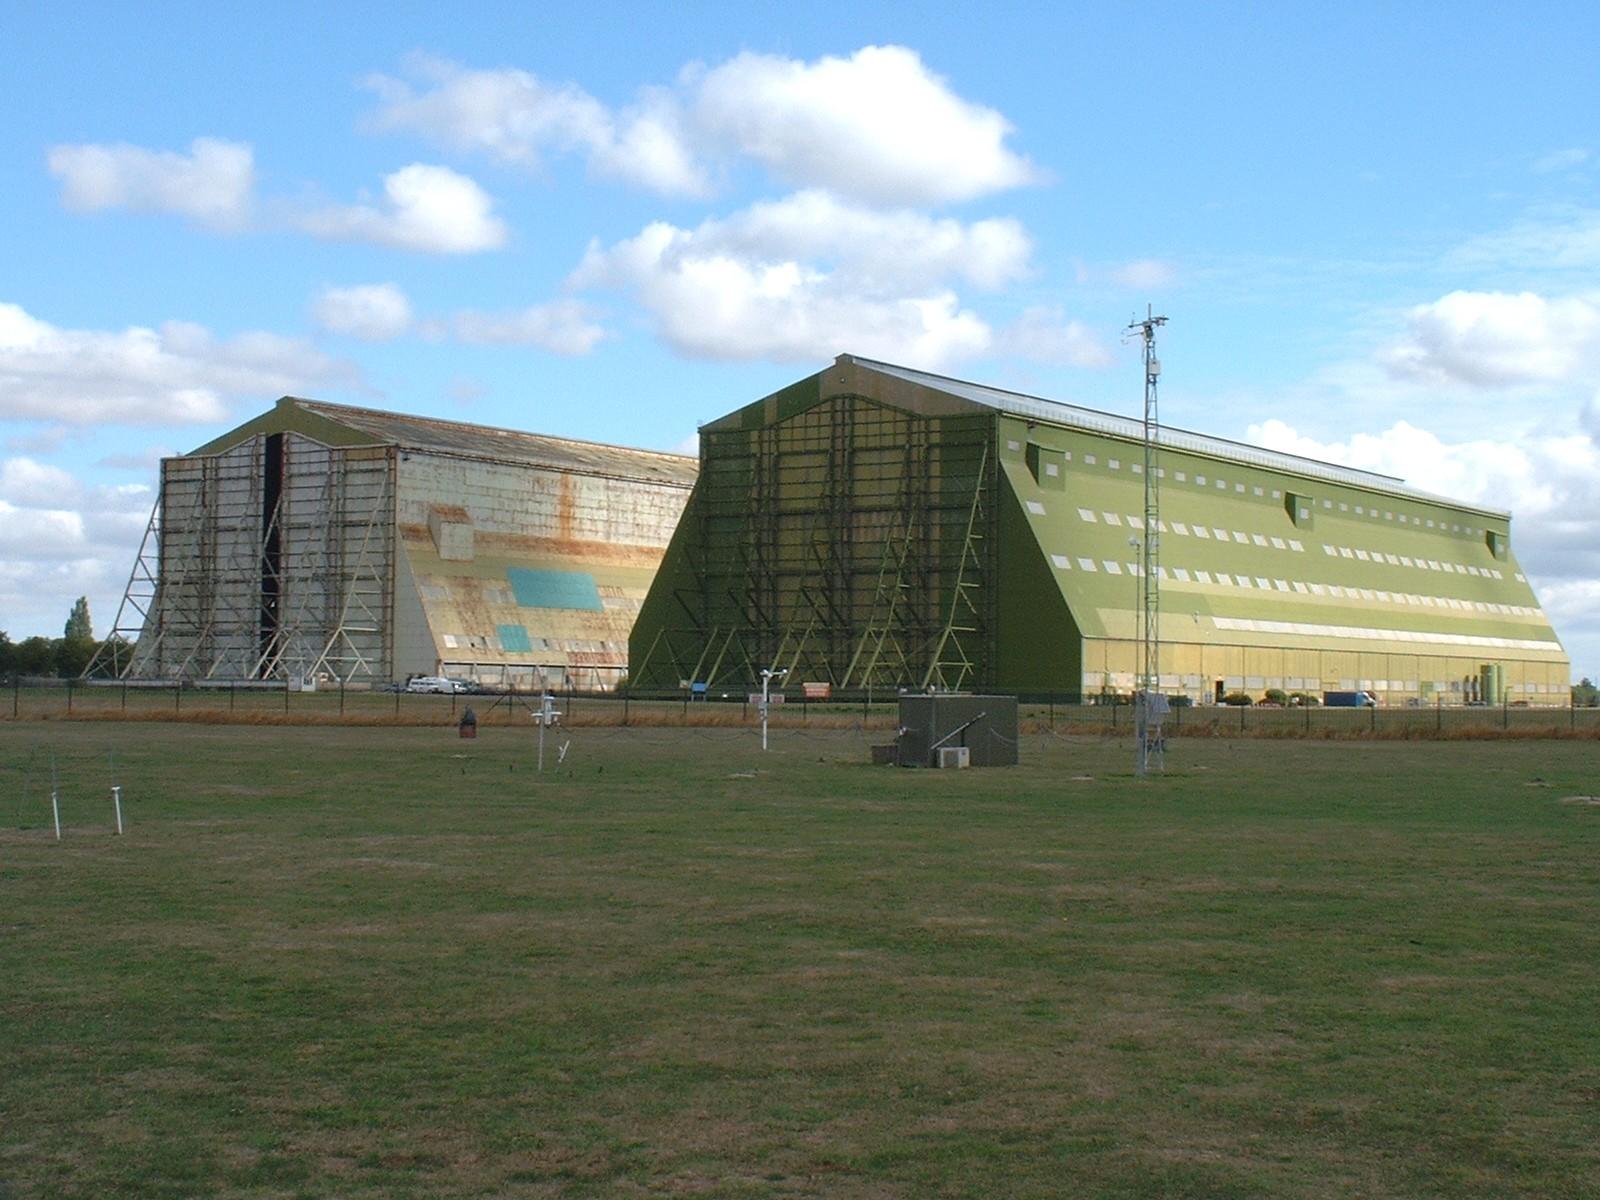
(875, 526)
(324, 542)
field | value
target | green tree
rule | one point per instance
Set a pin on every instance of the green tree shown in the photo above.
(36, 656)
(79, 626)
(1585, 694)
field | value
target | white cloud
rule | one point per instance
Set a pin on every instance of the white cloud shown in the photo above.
(1046, 335)
(561, 327)
(1144, 273)
(28, 482)
(876, 126)
(179, 373)
(212, 184)
(808, 277)
(61, 538)
(374, 312)
(428, 208)
(1561, 160)
(1564, 240)
(514, 117)
(1493, 339)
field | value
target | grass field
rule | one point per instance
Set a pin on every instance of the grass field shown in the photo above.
(385, 962)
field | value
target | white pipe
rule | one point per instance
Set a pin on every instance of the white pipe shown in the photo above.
(55, 812)
(116, 801)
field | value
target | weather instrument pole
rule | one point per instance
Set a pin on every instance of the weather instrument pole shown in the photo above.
(767, 676)
(1150, 703)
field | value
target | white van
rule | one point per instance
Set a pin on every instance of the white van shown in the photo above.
(431, 683)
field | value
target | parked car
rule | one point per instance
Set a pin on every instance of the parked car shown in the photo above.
(436, 684)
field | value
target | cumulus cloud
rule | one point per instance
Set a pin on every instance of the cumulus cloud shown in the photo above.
(515, 117)
(61, 538)
(807, 277)
(373, 312)
(1047, 335)
(426, 208)
(561, 327)
(212, 184)
(877, 126)
(1494, 339)
(179, 373)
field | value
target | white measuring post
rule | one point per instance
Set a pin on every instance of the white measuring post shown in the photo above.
(767, 676)
(544, 719)
(55, 803)
(116, 803)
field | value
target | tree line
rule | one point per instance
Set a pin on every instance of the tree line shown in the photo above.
(65, 657)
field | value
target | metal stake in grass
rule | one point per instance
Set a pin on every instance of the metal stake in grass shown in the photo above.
(55, 803)
(116, 804)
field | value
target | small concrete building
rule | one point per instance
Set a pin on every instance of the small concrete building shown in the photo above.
(321, 542)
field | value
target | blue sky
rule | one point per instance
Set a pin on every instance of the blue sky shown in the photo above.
(1373, 228)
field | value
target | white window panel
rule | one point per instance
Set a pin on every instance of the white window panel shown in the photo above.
(1112, 566)
(1181, 574)
(1242, 538)
(1297, 546)
(1061, 561)
(1258, 539)
(1300, 587)
(1239, 487)
(1366, 594)
(1089, 459)
(1432, 566)
(1011, 445)
(1180, 528)
(1327, 549)
(1281, 584)
(1335, 590)
(1360, 512)
(1344, 552)
(1200, 480)
(1279, 544)
(1361, 554)
(1200, 531)
(1202, 577)
(1135, 522)
(1052, 469)
(1383, 596)
(1036, 508)
(1264, 584)
(1224, 579)
(1087, 514)
(1222, 485)
(1137, 468)
(1111, 518)
(1259, 492)
(1113, 464)
(1318, 590)
(1087, 564)
(1344, 507)
(1180, 476)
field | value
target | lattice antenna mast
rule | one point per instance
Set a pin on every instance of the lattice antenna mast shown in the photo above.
(1151, 704)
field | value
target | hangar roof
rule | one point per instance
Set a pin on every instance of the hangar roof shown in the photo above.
(346, 425)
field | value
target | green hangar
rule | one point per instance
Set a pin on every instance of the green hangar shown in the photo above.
(876, 527)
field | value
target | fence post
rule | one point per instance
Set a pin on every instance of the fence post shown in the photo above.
(397, 702)
(341, 695)
(1242, 707)
(69, 697)
(1505, 711)
(16, 694)
(232, 688)
(1374, 721)
(124, 695)
(177, 695)
(1308, 719)
(625, 693)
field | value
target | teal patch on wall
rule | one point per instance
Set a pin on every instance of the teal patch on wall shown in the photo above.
(554, 589)
(514, 639)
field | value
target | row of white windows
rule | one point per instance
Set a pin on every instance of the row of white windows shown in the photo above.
(1431, 636)
(1421, 564)
(1360, 510)
(1334, 590)
(1093, 680)
(1277, 543)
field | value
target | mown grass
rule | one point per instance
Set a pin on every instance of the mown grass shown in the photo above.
(387, 962)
